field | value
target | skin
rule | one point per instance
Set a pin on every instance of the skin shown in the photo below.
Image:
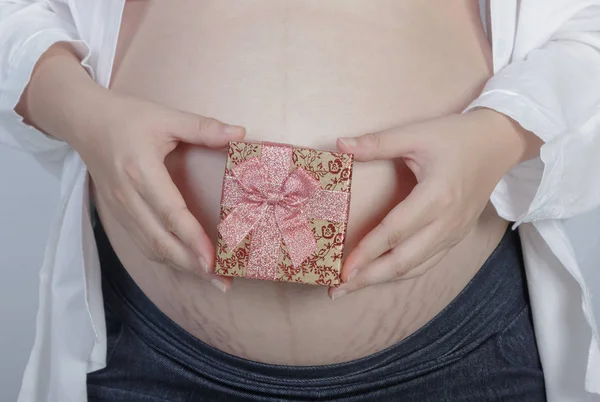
(129, 174)
(416, 235)
(454, 187)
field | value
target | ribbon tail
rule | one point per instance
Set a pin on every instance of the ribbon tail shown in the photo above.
(296, 235)
(240, 222)
(264, 249)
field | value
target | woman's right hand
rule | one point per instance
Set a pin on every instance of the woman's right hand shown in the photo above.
(125, 152)
(124, 140)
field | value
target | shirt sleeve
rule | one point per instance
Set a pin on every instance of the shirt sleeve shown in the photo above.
(27, 29)
(554, 92)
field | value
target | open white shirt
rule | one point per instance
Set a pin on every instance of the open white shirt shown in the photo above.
(546, 56)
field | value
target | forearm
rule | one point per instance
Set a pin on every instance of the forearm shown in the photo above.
(60, 96)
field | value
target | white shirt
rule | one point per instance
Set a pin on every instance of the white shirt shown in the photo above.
(546, 56)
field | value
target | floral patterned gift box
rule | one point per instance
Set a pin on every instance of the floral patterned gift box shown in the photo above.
(284, 212)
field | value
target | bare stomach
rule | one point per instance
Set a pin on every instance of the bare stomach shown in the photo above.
(303, 72)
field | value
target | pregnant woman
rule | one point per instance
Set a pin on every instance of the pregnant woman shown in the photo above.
(434, 305)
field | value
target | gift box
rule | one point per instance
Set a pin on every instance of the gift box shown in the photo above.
(284, 212)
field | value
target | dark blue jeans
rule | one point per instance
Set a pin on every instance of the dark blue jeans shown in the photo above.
(480, 348)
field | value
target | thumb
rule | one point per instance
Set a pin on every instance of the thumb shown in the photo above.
(198, 130)
(387, 144)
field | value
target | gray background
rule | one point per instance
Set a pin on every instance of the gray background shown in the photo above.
(28, 200)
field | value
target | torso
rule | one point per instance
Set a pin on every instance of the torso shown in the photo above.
(304, 72)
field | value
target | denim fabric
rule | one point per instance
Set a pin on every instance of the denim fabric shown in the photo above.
(481, 347)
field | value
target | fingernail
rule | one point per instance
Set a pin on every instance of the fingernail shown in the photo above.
(348, 141)
(204, 265)
(337, 294)
(233, 130)
(353, 275)
(219, 285)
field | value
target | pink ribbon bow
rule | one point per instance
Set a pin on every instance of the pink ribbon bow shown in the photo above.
(275, 204)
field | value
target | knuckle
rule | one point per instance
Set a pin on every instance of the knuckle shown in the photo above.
(400, 268)
(400, 264)
(169, 217)
(160, 252)
(371, 141)
(393, 235)
(148, 251)
(394, 238)
(208, 125)
(359, 283)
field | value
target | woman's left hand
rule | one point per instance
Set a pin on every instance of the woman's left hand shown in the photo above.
(457, 161)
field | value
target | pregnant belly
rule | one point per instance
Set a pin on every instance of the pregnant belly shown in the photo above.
(304, 73)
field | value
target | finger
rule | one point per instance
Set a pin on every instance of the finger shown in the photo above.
(426, 266)
(412, 214)
(205, 131)
(167, 203)
(336, 293)
(160, 245)
(120, 215)
(421, 250)
(166, 249)
(387, 144)
(134, 216)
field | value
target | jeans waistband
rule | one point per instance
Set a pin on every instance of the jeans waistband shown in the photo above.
(495, 295)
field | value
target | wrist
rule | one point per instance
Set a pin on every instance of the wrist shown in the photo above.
(84, 114)
(505, 137)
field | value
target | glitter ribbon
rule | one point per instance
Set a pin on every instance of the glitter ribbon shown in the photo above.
(275, 204)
